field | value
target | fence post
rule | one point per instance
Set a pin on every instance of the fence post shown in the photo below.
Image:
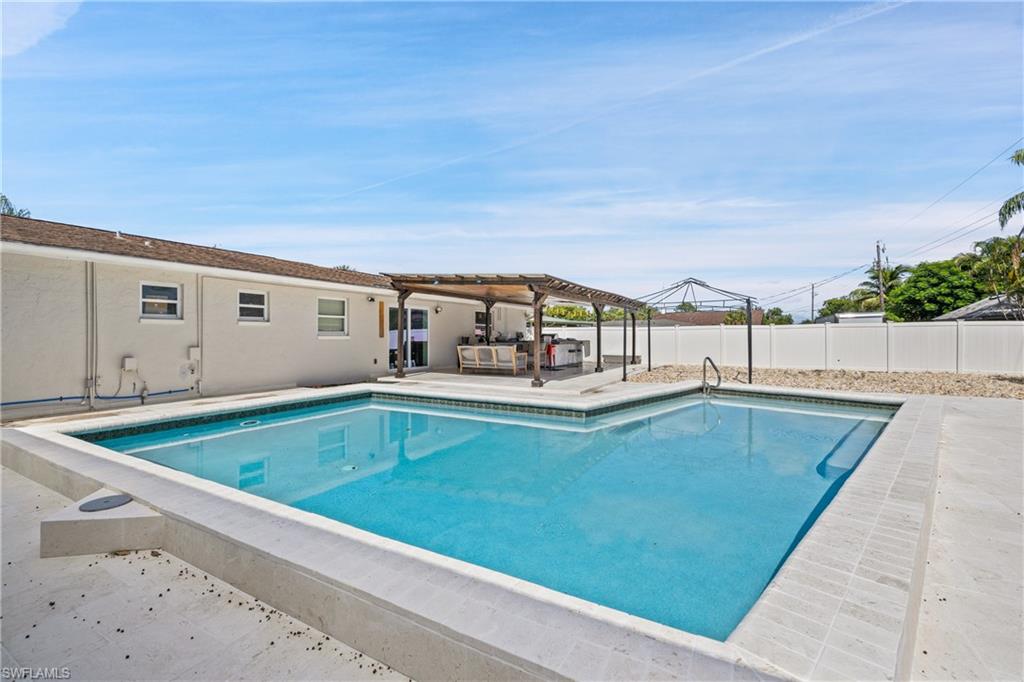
(771, 346)
(721, 344)
(828, 345)
(960, 343)
(888, 345)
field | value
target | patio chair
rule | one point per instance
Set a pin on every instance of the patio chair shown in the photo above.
(468, 358)
(486, 357)
(506, 358)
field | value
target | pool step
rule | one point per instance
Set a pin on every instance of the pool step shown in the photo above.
(72, 532)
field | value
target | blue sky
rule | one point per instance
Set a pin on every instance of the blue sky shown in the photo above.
(758, 146)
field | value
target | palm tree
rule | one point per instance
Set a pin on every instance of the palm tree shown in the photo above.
(1014, 204)
(868, 293)
(7, 208)
(998, 263)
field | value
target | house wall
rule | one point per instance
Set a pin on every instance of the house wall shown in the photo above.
(43, 323)
(42, 327)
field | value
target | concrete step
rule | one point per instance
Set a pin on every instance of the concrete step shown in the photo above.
(72, 532)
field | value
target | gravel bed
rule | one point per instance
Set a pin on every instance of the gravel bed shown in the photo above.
(934, 383)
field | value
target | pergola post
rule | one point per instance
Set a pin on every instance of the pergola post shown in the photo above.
(400, 350)
(538, 334)
(598, 311)
(632, 317)
(649, 361)
(488, 304)
(625, 314)
(750, 343)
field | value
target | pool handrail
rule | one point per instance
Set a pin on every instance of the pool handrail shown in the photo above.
(704, 386)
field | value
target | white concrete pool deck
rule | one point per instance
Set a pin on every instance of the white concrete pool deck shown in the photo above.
(970, 624)
(141, 616)
(815, 624)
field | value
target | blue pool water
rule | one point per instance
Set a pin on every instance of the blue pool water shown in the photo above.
(679, 512)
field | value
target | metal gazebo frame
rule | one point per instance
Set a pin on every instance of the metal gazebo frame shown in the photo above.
(676, 295)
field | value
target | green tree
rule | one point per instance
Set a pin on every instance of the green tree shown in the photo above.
(1014, 204)
(735, 317)
(996, 262)
(776, 316)
(840, 304)
(586, 313)
(686, 307)
(868, 295)
(934, 288)
(571, 312)
(7, 208)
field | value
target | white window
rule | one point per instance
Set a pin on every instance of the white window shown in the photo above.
(160, 301)
(331, 317)
(252, 306)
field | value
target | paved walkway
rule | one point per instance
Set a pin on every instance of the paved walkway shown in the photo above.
(570, 381)
(144, 615)
(970, 622)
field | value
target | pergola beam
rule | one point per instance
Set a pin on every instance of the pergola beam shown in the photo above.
(556, 288)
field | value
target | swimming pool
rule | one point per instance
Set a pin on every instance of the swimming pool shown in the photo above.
(679, 511)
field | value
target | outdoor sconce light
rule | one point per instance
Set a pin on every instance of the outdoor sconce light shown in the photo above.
(370, 299)
(438, 309)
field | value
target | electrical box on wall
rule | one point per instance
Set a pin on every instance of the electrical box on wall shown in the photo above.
(193, 353)
(129, 364)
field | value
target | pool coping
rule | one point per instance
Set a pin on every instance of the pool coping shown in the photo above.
(844, 603)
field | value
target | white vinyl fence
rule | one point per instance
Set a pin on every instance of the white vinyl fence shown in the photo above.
(989, 347)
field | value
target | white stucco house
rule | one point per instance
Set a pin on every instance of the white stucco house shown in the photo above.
(102, 318)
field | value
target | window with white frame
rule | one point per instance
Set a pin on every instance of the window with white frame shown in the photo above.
(252, 306)
(160, 301)
(331, 317)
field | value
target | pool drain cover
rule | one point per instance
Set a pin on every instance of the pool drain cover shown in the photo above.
(103, 503)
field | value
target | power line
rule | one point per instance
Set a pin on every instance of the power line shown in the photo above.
(983, 208)
(960, 184)
(991, 221)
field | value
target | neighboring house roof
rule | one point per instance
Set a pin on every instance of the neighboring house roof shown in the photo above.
(877, 316)
(700, 317)
(991, 308)
(62, 235)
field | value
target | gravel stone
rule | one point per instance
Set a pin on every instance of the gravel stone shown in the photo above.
(932, 383)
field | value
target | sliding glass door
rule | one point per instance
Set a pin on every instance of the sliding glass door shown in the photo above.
(416, 337)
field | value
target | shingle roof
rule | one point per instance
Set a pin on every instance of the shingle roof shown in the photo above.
(991, 308)
(46, 233)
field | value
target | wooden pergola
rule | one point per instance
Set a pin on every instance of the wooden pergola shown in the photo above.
(530, 291)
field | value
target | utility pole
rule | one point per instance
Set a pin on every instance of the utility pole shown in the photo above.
(812, 303)
(878, 273)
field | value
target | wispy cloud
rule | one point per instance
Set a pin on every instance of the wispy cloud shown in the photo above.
(27, 23)
(757, 145)
(845, 19)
